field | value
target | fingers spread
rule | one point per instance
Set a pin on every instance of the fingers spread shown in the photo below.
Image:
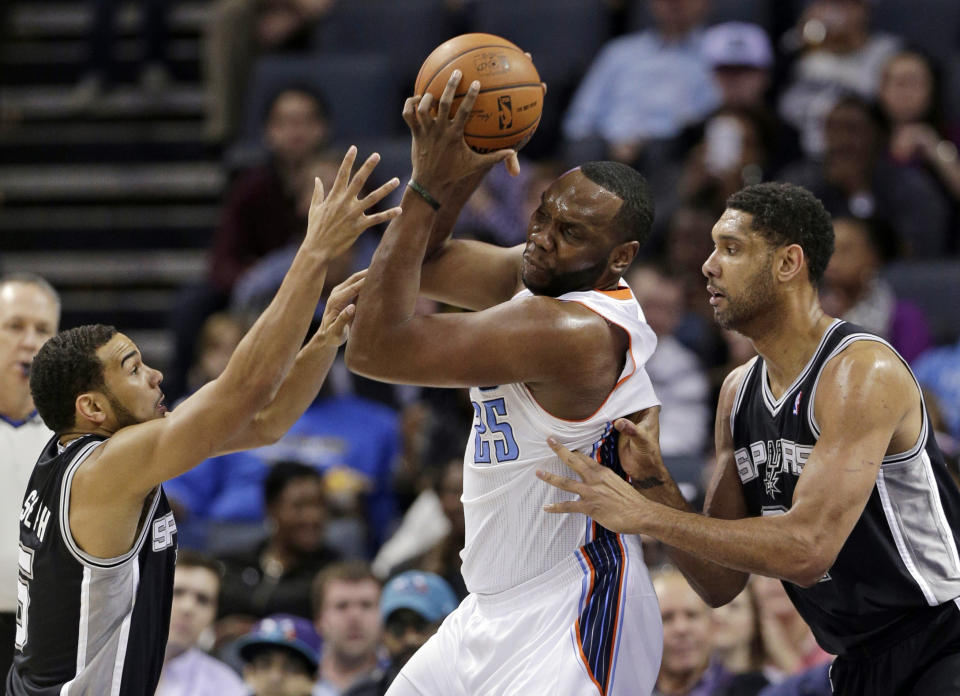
(360, 178)
(346, 166)
(576, 461)
(561, 482)
(466, 106)
(380, 193)
(449, 91)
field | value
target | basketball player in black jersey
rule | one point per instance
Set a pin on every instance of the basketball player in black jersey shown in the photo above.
(97, 538)
(828, 475)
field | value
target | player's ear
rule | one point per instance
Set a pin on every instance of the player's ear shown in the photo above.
(790, 261)
(92, 407)
(622, 256)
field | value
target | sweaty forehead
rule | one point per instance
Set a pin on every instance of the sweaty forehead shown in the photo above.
(734, 223)
(578, 198)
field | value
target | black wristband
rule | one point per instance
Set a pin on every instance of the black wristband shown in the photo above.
(424, 194)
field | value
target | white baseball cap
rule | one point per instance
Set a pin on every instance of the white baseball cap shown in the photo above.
(739, 44)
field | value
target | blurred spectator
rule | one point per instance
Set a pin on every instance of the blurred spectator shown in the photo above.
(939, 371)
(280, 655)
(412, 607)
(345, 600)
(741, 57)
(791, 646)
(238, 32)
(854, 179)
(351, 442)
(219, 337)
(497, 210)
(29, 315)
(688, 244)
(275, 575)
(431, 535)
(677, 375)
(102, 70)
(854, 290)
(685, 669)
(732, 153)
(187, 670)
(838, 55)
(738, 643)
(259, 216)
(644, 86)
(911, 102)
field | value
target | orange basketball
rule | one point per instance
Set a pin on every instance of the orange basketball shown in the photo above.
(507, 110)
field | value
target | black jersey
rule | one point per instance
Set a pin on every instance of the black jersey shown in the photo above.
(87, 625)
(901, 557)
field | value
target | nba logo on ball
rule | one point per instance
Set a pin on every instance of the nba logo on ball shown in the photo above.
(506, 111)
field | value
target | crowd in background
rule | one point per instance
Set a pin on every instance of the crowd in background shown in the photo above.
(365, 488)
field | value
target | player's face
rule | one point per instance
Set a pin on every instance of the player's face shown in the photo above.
(194, 606)
(132, 388)
(569, 240)
(28, 317)
(349, 620)
(686, 627)
(739, 272)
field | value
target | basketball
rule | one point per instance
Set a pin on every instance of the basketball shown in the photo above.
(507, 110)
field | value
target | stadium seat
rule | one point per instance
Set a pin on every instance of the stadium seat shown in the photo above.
(934, 25)
(563, 36)
(755, 11)
(354, 88)
(934, 286)
(404, 31)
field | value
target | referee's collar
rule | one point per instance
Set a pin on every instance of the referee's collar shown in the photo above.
(16, 423)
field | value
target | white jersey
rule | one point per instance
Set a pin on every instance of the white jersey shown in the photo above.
(509, 537)
(20, 446)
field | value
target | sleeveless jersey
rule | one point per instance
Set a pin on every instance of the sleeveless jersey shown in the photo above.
(87, 625)
(509, 538)
(901, 557)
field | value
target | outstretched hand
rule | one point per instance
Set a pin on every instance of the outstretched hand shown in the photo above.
(340, 310)
(335, 221)
(603, 495)
(440, 155)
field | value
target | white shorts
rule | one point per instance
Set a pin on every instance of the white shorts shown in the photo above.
(590, 625)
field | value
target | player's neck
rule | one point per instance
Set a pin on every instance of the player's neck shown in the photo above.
(787, 343)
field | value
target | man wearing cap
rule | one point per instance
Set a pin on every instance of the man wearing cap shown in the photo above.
(741, 61)
(413, 605)
(280, 656)
(741, 57)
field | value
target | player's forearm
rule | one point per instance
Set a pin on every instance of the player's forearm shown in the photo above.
(771, 546)
(297, 391)
(450, 210)
(716, 584)
(265, 354)
(390, 294)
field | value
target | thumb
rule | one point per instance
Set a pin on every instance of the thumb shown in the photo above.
(317, 192)
(626, 427)
(509, 159)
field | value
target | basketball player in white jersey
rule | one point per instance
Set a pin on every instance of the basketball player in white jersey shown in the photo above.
(556, 345)
(97, 536)
(828, 473)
